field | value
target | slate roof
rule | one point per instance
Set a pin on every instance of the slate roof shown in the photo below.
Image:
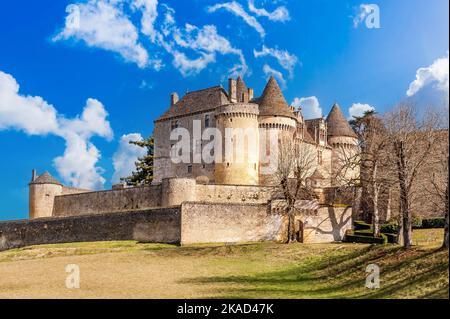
(337, 124)
(46, 178)
(272, 101)
(197, 101)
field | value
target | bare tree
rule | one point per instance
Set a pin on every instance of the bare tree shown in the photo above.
(370, 156)
(296, 162)
(437, 177)
(412, 140)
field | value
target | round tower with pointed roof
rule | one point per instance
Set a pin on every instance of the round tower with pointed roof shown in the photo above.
(42, 192)
(344, 142)
(238, 125)
(277, 121)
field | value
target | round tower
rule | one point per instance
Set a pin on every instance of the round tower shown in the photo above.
(42, 192)
(344, 143)
(277, 122)
(239, 159)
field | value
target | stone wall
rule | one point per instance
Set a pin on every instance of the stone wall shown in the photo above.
(127, 199)
(158, 225)
(233, 194)
(208, 223)
(327, 225)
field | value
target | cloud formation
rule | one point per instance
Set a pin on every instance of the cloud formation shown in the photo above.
(284, 58)
(144, 32)
(237, 9)
(34, 116)
(103, 24)
(126, 155)
(358, 110)
(310, 107)
(436, 73)
(279, 14)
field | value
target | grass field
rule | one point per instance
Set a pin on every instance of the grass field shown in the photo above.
(262, 270)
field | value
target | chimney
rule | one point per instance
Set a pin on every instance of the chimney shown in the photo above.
(250, 94)
(33, 175)
(232, 90)
(173, 98)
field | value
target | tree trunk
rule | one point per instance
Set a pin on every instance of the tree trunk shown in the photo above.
(445, 245)
(376, 216)
(404, 204)
(291, 227)
(292, 238)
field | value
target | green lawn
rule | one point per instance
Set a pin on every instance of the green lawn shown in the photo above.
(262, 270)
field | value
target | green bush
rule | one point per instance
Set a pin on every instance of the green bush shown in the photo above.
(366, 239)
(390, 228)
(438, 222)
(360, 225)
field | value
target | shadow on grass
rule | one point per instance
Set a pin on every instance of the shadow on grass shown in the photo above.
(415, 273)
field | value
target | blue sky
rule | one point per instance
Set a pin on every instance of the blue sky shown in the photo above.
(85, 87)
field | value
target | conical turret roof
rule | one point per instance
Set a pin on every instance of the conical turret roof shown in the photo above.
(337, 124)
(46, 178)
(272, 101)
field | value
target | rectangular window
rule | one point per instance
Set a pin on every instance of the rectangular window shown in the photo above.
(190, 169)
(207, 120)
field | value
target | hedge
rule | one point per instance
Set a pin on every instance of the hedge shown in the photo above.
(390, 228)
(366, 239)
(438, 222)
(360, 225)
(364, 232)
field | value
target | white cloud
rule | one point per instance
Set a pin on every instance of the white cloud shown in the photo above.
(149, 9)
(358, 109)
(188, 66)
(279, 14)
(78, 165)
(436, 73)
(310, 107)
(34, 116)
(126, 155)
(268, 71)
(207, 42)
(103, 24)
(362, 12)
(284, 58)
(30, 114)
(236, 9)
(92, 122)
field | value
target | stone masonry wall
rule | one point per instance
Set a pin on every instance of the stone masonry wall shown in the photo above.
(327, 225)
(127, 199)
(159, 225)
(208, 223)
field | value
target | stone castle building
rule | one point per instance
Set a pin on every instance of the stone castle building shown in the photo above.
(238, 109)
(202, 201)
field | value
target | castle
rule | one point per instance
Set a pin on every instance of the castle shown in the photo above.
(198, 200)
(238, 109)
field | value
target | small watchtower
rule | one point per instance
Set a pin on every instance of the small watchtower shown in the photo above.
(42, 192)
